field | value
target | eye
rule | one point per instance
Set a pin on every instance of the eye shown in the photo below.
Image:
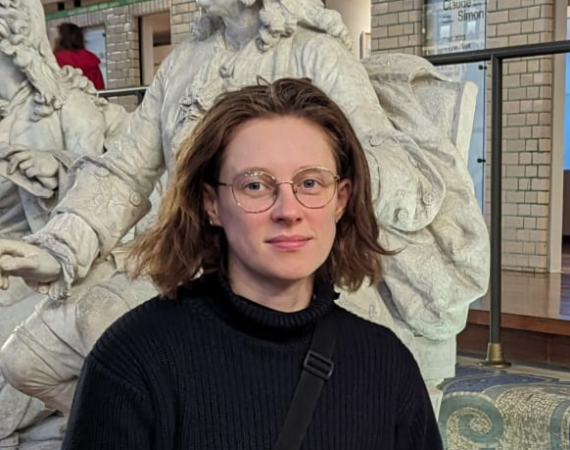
(255, 185)
(309, 183)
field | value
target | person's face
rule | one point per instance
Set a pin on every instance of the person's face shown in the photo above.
(288, 242)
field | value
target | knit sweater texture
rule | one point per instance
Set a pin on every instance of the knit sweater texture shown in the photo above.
(211, 370)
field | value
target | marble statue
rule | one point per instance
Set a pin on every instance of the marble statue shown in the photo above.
(41, 135)
(423, 192)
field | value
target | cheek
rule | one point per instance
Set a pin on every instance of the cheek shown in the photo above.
(325, 227)
(238, 225)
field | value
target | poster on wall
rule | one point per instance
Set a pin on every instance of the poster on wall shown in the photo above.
(453, 26)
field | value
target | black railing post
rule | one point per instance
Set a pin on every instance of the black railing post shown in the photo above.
(494, 347)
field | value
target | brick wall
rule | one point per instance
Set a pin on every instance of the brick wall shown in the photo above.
(397, 26)
(527, 131)
(527, 120)
(182, 14)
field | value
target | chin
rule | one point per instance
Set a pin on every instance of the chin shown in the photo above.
(292, 276)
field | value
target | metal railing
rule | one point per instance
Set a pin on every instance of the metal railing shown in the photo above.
(138, 91)
(496, 57)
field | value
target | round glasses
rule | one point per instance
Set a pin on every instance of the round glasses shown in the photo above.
(257, 191)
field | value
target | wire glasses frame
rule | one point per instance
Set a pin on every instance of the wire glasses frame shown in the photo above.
(257, 191)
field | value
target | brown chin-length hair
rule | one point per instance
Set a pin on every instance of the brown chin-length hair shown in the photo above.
(182, 242)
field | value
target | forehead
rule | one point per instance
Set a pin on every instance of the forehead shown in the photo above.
(281, 146)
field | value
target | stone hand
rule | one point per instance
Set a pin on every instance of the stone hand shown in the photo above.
(23, 260)
(32, 163)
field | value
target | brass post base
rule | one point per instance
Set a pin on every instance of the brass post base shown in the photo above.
(495, 356)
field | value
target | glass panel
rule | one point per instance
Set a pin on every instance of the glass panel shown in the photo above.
(458, 26)
(96, 42)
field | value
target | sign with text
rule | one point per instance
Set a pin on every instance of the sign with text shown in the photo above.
(454, 26)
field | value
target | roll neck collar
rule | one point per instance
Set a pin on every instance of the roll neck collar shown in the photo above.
(261, 321)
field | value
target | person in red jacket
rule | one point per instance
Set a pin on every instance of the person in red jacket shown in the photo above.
(70, 51)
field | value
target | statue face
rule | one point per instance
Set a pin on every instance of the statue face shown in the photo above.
(287, 242)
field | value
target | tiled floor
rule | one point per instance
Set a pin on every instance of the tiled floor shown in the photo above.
(535, 295)
(535, 319)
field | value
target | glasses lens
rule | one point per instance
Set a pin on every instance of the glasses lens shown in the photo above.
(255, 191)
(314, 187)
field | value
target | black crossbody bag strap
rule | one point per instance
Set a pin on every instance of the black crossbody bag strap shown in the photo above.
(317, 369)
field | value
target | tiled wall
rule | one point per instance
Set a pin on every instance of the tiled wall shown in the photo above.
(397, 26)
(183, 13)
(527, 130)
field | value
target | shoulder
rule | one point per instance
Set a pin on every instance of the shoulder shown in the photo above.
(62, 56)
(365, 329)
(148, 317)
(332, 66)
(313, 43)
(146, 330)
(142, 342)
(81, 107)
(90, 55)
(378, 352)
(376, 339)
(186, 52)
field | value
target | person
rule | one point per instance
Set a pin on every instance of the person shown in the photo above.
(271, 203)
(70, 51)
(427, 207)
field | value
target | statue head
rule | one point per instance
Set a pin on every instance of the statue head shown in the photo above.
(23, 38)
(280, 18)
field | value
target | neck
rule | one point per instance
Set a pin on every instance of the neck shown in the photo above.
(242, 27)
(284, 297)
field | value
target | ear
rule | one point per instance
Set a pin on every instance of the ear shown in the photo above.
(343, 194)
(211, 205)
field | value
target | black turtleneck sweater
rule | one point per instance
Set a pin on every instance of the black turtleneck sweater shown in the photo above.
(213, 371)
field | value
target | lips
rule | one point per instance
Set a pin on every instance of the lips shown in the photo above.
(289, 242)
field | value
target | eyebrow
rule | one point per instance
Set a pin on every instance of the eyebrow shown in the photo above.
(235, 173)
(251, 169)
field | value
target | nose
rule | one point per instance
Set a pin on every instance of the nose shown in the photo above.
(287, 207)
